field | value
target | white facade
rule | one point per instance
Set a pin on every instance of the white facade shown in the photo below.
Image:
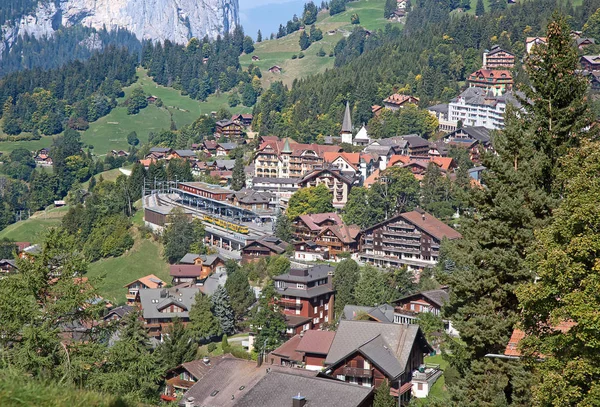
(490, 116)
(423, 381)
(346, 137)
(309, 256)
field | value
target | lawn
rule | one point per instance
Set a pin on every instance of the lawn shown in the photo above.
(438, 391)
(110, 132)
(144, 258)
(33, 229)
(279, 51)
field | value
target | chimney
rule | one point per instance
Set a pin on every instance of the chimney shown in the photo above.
(297, 401)
(189, 402)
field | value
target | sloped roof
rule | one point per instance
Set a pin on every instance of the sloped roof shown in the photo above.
(313, 221)
(416, 141)
(351, 158)
(492, 73)
(346, 233)
(438, 297)
(362, 134)
(152, 300)
(431, 225)
(315, 341)
(333, 171)
(272, 243)
(496, 49)
(288, 349)
(185, 270)
(398, 99)
(387, 345)
(249, 196)
(150, 281)
(347, 122)
(381, 313)
(227, 146)
(371, 179)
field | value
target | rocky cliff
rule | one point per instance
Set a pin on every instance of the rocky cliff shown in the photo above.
(175, 20)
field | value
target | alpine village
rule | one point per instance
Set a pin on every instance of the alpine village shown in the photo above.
(382, 203)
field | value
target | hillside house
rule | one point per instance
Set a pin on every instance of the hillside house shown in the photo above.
(425, 301)
(338, 183)
(338, 239)
(195, 268)
(590, 62)
(147, 282)
(307, 250)
(224, 149)
(308, 349)
(584, 42)
(7, 266)
(498, 58)
(306, 294)
(255, 58)
(228, 129)
(159, 306)
(531, 42)
(496, 82)
(209, 147)
(409, 239)
(181, 378)
(118, 313)
(397, 101)
(244, 119)
(252, 200)
(367, 353)
(275, 69)
(308, 227)
(264, 247)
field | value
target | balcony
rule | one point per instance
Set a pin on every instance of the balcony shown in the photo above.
(428, 372)
(288, 302)
(130, 296)
(357, 372)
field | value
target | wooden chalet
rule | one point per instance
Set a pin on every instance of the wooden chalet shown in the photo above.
(308, 227)
(181, 378)
(275, 69)
(195, 268)
(228, 129)
(244, 119)
(263, 247)
(338, 239)
(397, 101)
(143, 283)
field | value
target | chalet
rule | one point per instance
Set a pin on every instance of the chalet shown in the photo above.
(380, 313)
(151, 99)
(255, 58)
(242, 119)
(42, 158)
(181, 378)
(158, 153)
(498, 58)
(409, 239)
(228, 129)
(118, 313)
(236, 382)
(367, 353)
(594, 78)
(251, 200)
(182, 155)
(415, 145)
(338, 239)
(425, 301)
(338, 183)
(310, 251)
(198, 167)
(475, 139)
(351, 164)
(496, 82)
(147, 282)
(159, 306)
(308, 294)
(263, 247)
(590, 62)
(209, 147)
(584, 42)
(531, 42)
(398, 101)
(7, 266)
(195, 268)
(223, 177)
(512, 348)
(308, 349)
(224, 149)
(119, 153)
(275, 69)
(419, 165)
(308, 227)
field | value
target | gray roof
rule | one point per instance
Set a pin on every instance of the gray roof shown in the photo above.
(185, 153)
(293, 181)
(225, 164)
(314, 273)
(228, 146)
(380, 150)
(213, 282)
(441, 108)
(278, 389)
(249, 196)
(479, 133)
(120, 311)
(416, 141)
(12, 262)
(396, 141)
(154, 299)
(159, 150)
(438, 297)
(207, 259)
(386, 345)
(347, 123)
(308, 293)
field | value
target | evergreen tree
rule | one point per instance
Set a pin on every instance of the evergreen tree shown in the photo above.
(177, 346)
(238, 176)
(383, 398)
(181, 235)
(203, 323)
(268, 321)
(283, 228)
(222, 310)
(259, 36)
(281, 32)
(521, 189)
(309, 16)
(240, 293)
(132, 139)
(371, 288)
(304, 40)
(248, 45)
(248, 95)
(480, 8)
(390, 7)
(345, 280)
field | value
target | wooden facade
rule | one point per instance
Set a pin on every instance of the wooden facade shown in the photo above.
(228, 129)
(205, 190)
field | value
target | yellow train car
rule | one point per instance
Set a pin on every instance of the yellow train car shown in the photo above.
(226, 225)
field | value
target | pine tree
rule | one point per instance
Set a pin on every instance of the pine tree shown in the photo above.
(283, 228)
(222, 310)
(238, 176)
(241, 295)
(203, 324)
(304, 40)
(345, 280)
(383, 398)
(259, 36)
(268, 321)
(390, 7)
(177, 346)
(372, 288)
(479, 8)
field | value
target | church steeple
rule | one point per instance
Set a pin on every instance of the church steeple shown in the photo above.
(346, 132)
(286, 147)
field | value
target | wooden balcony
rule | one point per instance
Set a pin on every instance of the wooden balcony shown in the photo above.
(356, 372)
(288, 302)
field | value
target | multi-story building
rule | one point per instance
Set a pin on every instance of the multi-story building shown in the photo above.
(410, 239)
(498, 58)
(590, 62)
(351, 164)
(440, 112)
(491, 80)
(306, 294)
(338, 183)
(308, 227)
(228, 129)
(288, 159)
(475, 107)
(159, 306)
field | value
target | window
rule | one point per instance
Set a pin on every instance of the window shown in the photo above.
(300, 285)
(341, 377)
(315, 310)
(419, 386)
(326, 318)
(412, 307)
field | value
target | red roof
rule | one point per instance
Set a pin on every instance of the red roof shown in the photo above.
(288, 349)
(150, 281)
(316, 342)
(431, 225)
(297, 148)
(492, 74)
(371, 179)
(185, 270)
(22, 245)
(398, 99)
(314, 221)
(512, 348)
(346, 234)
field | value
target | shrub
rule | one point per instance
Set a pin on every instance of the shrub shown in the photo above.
(211, 347)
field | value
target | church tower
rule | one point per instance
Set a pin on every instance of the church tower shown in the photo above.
(346, 132)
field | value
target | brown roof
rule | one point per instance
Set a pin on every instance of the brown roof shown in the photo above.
(313, 221)
(288, 349)
(150, 281)
(316, 342)
(297, 148)
(512, 348)
(346, 234)
(185, 270)
(398, 99)
(431, 225)
(492, 74)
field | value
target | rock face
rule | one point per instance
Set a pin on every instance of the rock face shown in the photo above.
(174, 20)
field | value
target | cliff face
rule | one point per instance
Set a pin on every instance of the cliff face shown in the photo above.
(174, 20)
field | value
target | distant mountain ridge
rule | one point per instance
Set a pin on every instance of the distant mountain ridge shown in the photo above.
(174, 20)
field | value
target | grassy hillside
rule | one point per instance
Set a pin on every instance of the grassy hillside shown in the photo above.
(110, 132)
(33, 229)
(280, 51)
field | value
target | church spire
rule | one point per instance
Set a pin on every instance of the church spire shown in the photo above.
(347, 123)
